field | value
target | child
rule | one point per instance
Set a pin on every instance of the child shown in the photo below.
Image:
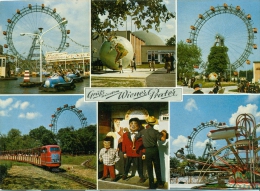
(109, 157)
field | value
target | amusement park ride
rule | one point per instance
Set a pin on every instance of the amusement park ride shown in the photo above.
(200, 35)
(22, 20)
(45, 31)
(238, 160)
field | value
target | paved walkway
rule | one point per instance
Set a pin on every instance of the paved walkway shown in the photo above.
(160, 78)
(157, 78)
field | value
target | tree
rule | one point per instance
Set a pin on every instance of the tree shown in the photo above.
(171, 41)
(146, 14)
(68, 140)
(42, 136)
(174, 162)
(14, 140)
(218, 60)
(247, 73)
(187, 56)
(87, 137)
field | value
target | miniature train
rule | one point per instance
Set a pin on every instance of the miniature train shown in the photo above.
(48, 156)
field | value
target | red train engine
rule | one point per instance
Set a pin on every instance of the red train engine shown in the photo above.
(48, 156)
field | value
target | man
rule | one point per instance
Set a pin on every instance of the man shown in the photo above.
(133, 154)
(150, 136)
(197, 90)
(152, 62)
(168, 63)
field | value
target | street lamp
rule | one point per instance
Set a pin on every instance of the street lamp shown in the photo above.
(39, 36)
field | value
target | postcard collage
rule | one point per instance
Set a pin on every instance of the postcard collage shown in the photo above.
(129, 94)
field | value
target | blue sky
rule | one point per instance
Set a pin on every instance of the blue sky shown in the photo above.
(186, 115)
(28, 112)
(77, 12)
(230, 26)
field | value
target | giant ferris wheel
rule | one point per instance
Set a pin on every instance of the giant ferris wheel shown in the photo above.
(33, 20)
(232, 24)
(60, 110)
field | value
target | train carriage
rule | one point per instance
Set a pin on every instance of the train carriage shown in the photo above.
(48, 156)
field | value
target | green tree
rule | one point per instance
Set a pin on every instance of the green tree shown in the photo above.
(87, 137)
(218, 60)
(14, 140)
(68, 140)
(146, 14)
(187, 57)
(42, 136)
(246, 73)
(174, 162)
(3, 142)
(171, 41)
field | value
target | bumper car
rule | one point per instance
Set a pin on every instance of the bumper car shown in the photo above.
(75, 77)
(57, 83)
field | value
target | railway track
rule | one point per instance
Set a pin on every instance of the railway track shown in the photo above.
(87, 184)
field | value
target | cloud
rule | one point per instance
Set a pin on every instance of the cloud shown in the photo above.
(80, 103)
(249, 108)
(5, 103)
(252, 98)
(179, 142)
(24, 105)
(16, 104)
(30, 115)
(191, 105)
(4, 113)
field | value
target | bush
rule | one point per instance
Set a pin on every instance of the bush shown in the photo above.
(3, 172)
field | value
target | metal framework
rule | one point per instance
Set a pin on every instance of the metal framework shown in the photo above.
(195, 132)
(245, 150)
(55, 116)
(28, 10)
(225, 9)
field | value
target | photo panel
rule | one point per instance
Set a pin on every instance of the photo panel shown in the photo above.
(217, 46)
(125, 126)
(214, 142)
(48, 143)
(44, 47)
(129, 48)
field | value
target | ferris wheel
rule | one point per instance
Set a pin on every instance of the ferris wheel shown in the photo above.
(33, 20)
(199, 134)
(60, 110)
(233, 24)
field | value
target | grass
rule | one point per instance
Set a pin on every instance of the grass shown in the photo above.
(78, 160)
(25, 176)
(117, 82)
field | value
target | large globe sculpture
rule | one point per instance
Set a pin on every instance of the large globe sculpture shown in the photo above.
(113, 49)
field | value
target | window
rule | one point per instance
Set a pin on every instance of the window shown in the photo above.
(54, 149)
(149, 54)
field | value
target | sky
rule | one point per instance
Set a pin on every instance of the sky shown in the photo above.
(189, 114)
(29, 112)
(231, 27)
(168, 29)
(76, 12)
